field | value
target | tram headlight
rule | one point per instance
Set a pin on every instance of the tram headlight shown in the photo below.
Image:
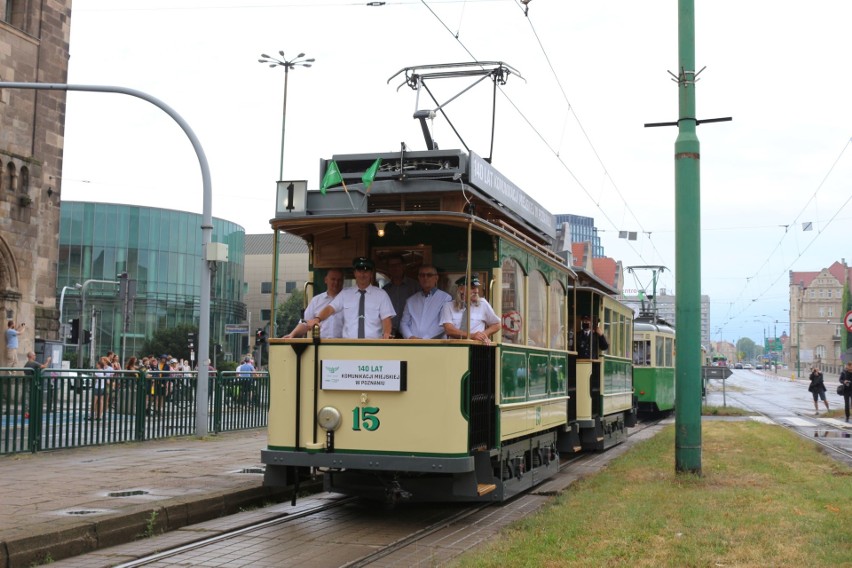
(328, 418)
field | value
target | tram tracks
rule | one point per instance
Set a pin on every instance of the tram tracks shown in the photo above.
(747, 403)
(443, 525)
(236, 532)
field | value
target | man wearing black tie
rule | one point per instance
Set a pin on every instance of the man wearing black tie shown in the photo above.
(590, 341)
(367, 309)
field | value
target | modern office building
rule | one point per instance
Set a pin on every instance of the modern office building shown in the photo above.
(34, 40)
(292, 274)
(160, 251)
(580, 230)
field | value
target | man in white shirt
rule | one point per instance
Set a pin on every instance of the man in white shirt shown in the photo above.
(421, 318)
(333, 326)
(483, 321)
(366, 309)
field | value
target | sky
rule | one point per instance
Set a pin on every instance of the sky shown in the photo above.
(569, 125)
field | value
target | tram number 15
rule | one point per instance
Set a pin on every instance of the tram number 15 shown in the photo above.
(365, 418)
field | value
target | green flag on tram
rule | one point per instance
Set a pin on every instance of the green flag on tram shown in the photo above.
(331, 178)
(370, 175)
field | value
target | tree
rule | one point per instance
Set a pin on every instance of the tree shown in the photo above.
(288, 313)
(748, 349)
(172, 341)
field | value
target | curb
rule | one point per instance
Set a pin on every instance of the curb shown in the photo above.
(33, 547)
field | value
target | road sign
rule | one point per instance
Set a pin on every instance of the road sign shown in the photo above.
(847, 321)
(240, 328)
(711, 372)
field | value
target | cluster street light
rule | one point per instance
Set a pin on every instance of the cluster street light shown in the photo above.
(297, 61)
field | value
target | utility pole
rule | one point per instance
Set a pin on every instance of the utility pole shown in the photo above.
(687, 250)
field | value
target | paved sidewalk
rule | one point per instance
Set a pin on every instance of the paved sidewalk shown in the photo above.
(67, 502)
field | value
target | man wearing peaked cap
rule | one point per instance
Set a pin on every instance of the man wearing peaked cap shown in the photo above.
(366, 309)
(590, 341)
(480, 324)
(362, 262)
(474, 281)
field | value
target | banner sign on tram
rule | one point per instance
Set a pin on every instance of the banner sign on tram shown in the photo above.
(485, 177)
(369, 375)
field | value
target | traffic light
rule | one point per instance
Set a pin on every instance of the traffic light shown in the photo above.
(260, 337)
(75, 331)
(87, 336)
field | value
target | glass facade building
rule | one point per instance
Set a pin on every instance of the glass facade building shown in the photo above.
(582, 230)
(159, 249)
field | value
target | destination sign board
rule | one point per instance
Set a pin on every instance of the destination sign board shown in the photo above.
(486, 178)
(240, 328)
(364, 375)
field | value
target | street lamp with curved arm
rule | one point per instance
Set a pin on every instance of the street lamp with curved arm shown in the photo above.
(76, 286)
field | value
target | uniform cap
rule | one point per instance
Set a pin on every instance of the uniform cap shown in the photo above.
(474, 281)
(363, 262)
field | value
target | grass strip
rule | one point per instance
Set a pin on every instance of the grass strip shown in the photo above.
(766, 497)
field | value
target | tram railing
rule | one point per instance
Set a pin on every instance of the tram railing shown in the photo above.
(53, 409)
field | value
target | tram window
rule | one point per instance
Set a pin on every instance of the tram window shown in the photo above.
(537, 311)
(669, 352)
(642, 353)
(513, 301)
(611, 332)
(557, 374)
(556, 309)
(538, 375)
(660, 348)
(513, 376)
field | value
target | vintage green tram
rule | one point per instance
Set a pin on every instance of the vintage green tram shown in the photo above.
(653, 364)
(440, 419)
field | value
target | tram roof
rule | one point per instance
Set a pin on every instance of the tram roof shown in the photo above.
(406, 178)
(590, 280)
(645, 322)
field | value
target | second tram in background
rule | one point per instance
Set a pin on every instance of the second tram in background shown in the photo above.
(653, 349)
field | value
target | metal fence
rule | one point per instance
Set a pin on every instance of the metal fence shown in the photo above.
(52, 409)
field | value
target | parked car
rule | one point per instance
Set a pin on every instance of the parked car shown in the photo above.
(738, 366)
(747, 366)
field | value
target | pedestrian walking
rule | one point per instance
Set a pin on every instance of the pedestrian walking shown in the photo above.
(817, 389)
(846, 383)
